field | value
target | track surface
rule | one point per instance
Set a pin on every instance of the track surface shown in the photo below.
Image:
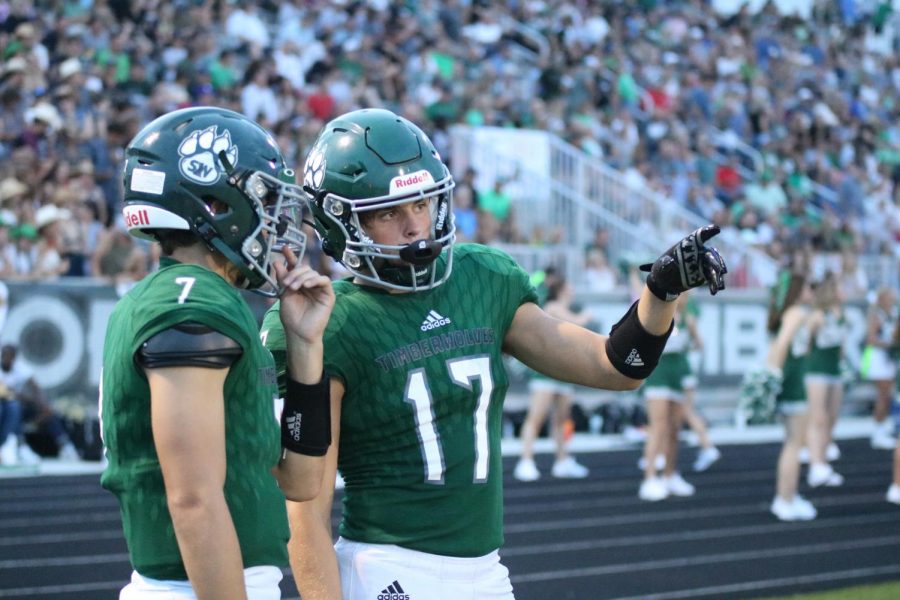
(60, 537)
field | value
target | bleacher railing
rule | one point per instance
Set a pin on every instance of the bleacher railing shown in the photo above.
(575, 195)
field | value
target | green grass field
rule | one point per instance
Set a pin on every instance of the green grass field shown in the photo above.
(881, 591)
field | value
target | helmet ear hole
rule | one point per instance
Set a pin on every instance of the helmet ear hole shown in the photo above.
(216, 206)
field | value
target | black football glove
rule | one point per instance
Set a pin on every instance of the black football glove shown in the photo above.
(687, 264)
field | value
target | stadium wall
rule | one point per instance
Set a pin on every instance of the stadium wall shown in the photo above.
(60, 326)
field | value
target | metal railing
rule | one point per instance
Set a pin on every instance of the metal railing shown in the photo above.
(881, 270)
(579, 194)
(730, 142)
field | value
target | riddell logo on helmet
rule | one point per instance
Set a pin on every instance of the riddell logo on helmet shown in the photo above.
(136, 217)
(411, 182)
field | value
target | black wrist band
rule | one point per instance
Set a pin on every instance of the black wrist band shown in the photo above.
(306, 418)
(633, 351)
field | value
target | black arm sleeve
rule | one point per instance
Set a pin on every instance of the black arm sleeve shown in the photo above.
(633, 351)
(189, 345)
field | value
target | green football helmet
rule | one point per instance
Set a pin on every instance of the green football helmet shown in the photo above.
(368, 160)
(221, 176)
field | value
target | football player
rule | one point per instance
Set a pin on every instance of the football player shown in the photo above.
(187, 387)
(413, 351)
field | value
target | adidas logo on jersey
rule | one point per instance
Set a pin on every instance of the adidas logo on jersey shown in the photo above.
(393, 592)
(634, 359)
(433, 321)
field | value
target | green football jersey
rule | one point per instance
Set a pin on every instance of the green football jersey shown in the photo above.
(175, 294)
(424, 388)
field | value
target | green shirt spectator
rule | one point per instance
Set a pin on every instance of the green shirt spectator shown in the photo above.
(496, 201)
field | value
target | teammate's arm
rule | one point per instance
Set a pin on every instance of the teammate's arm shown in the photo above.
(188, 420)
(305, 305)
(311, 547)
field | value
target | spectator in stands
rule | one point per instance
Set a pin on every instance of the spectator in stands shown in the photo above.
(495, 206)
(852, 281)
(12, 105)
(22, 402)
(788, 323)
(766, 195)
(49, 262)
(692, 90)
(119, 259)
(599, 276)
(548, 394)
(465, 213)
(24, 253)
(876, 364)
(7, 249)
(258, 100)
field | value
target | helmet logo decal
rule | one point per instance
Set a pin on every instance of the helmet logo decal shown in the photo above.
(411, 182)
(314, 171)
(200, 155)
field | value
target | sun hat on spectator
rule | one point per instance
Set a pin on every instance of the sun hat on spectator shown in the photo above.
(48, 214)
(16, 64)
(25, 31)
(11, 188)
(45, 113)
(69, 67)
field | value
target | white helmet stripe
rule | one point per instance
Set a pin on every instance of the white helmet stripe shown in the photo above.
(139, 217)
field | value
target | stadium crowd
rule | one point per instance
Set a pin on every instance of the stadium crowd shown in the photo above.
(778, 128)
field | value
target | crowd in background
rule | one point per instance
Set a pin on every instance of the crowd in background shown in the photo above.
(783, 130)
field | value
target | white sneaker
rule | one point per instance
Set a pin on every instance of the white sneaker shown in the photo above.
(27, 456)
(9, 454)
(569, 468)
(797, 509)
(822, 474)
(526, 470)
(653, 489)
(659, 463)
(804, 509)
(68, 453)
(832, 452)
(706, 457)
(883, 437)
(677, 486)
(803, 455)
(893, 494)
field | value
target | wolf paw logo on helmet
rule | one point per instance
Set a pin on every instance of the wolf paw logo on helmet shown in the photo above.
(200, 155)
(314, 171)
